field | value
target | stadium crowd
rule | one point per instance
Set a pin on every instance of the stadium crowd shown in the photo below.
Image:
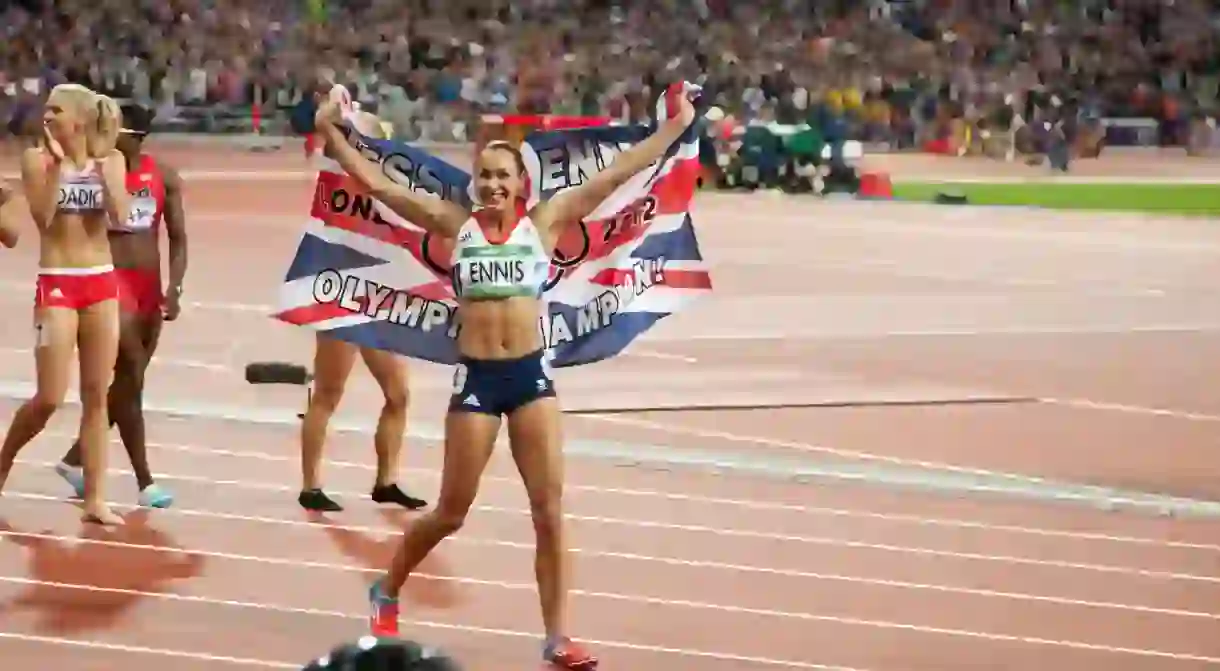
(931, 73)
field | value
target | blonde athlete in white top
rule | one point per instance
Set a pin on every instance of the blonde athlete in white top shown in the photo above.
(75, 183)
(333, 360)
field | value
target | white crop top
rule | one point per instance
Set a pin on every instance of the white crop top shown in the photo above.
(81, 190)
(482, 269)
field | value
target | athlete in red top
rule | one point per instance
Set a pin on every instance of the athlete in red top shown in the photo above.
(156, 198)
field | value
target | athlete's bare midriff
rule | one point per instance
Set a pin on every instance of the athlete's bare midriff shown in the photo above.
(502, 328)
(505, 328)
(75, 241)
(135, 250)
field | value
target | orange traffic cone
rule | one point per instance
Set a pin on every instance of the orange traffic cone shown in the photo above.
(875, 186)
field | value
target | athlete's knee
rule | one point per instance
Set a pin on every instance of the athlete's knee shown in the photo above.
(451, 515)
(94, 393)
(546, 510)
(45, 403)
(126, 394)
(391, 378)
(326, 397)
(129, 374)
(396, 400)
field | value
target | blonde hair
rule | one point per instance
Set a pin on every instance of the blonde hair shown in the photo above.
(101, 142)
(102, 116)
(369, 124)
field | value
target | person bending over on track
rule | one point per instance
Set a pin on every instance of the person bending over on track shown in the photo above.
(8, 223)
(156, 193)
(332, 364)
(503, 373)
(74, 185)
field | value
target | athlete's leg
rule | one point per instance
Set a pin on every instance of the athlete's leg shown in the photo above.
(534, 434)
(151, 494)
(537, 447)
(54, 343)
(98, 339)
(389, 370)
(470, 438)
(332, 364)
(138, 337)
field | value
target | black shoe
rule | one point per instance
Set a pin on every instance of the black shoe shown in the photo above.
(317, 501)
(392, 494)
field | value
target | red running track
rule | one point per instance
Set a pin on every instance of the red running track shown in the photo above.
(674, 569)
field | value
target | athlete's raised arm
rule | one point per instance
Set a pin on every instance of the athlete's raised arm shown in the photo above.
(429, 212)
(40, 171)
(574, 204)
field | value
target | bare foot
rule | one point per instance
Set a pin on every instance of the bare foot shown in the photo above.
(101, 515)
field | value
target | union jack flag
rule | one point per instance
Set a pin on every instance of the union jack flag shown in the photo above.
(364, 275)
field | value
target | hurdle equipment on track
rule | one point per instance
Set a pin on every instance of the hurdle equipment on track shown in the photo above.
(281, 372)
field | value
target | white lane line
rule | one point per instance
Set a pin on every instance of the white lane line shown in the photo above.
(1131, 409)
(716, 434)
(639, 598)
(848, 621)
(747, 504)
(140, 650)
(663, 356)
(156, 361)
(317, 612)
(718, 532)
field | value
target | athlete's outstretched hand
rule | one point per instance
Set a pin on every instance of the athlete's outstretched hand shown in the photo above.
(680, 105)
(332, 106)
(686, 111)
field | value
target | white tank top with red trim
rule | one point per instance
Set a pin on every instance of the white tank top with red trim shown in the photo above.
(81, 191)
(484, 270)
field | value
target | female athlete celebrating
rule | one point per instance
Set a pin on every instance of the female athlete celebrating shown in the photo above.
(156, 192)
(332, 364)
(502, 373)
(74, 184)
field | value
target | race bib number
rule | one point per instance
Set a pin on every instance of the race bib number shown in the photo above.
(81, 197)
(497, 271)
(142, 215)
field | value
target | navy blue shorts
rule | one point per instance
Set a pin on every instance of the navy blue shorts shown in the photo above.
(500, 386)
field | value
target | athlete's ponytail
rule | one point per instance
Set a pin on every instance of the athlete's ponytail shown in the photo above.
(103, 131)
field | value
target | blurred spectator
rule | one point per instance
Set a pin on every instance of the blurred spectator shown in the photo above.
(904, 72)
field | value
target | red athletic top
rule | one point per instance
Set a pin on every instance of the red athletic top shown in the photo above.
(147, 189)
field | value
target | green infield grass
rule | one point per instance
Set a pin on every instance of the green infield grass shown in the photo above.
(1167, 198)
